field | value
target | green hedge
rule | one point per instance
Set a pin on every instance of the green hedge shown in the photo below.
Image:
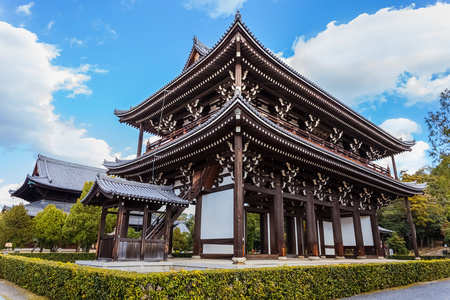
(409, 257)
(181, 255)
(68, 281)
(62, 257)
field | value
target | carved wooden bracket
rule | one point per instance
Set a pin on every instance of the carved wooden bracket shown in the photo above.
(336, 135)
(319, 187)
(187, 173)
(346, 198)
(312, 123)
(283, 108)
(194, 109)
(375, 154)
(159, 180)
(355, 145)
(166, 125)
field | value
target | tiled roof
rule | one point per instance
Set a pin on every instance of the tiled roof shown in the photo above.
(137, 191)
(62, 174)
(38, 206)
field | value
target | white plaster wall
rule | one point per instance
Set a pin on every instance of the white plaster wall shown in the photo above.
(226, 180)
(217, 215)
(328, 233)
(217, 249)
(348, 231)
(329, 251)
(367, 230)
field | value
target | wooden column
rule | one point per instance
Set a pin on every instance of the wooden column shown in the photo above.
(300, 237)
(412, 229)
(197, 226)
(101, 229)
(360, 252)
(238, 66)
(141, 136)
(126, 220)
(264, 232)
(376, 232)
(394, 167)
(278, 213)
(144, 230)
(337, 229)
(311, 230)
(171, 239)
(272, 245)
(238, 198)
(118, 232)
(322, 237)
(167, 226)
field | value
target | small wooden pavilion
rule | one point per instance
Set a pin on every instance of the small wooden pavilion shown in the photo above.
(127, 198)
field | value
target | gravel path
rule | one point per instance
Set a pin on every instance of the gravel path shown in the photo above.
(9, 290)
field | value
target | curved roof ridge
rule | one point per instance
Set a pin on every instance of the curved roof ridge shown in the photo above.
(66, 163)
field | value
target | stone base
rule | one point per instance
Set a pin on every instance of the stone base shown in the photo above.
(417, 258)
(284, 258)
(339, 257)
(196, 257)
(381, 257)
(170, 256)
(361, 257)
(313, 257)
(239, 260)
(301, 257)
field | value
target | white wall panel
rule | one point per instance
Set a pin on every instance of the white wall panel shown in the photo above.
(328, 233)
(217, 215)
(367, 230)
(217, 249)
(348, 231)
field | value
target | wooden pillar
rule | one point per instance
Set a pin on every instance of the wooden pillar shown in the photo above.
(376, 232)
(272, 244)
(171, 239)
(311, 230)
(101, 229)
(322, 237)
(126, 220)
(394, 167)
(264, 232)
(290, 235)
(300, 237)
(141, 136)
(118, 232)
(238, 199)
(144, 230)
(238, 66)
(167, 226)
(278, 213)
(360, 252)
(412, 229)
(197, 226)
(337, 229)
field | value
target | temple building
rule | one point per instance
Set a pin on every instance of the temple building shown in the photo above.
(54, 182)
(242, 135)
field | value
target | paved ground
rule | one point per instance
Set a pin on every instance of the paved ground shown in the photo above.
(9, 290)
(434, 290)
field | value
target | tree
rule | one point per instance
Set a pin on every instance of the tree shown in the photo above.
(397, 243)
(133, 234)
(438, 124)
(82, 224)
(179, 240)
(16, 227)
(48, 227)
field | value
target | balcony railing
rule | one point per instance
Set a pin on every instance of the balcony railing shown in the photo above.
(285, 125)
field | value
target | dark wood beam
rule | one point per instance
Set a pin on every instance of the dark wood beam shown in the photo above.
(337, 229)
(412, 229)
(238, 198)
(360, 252)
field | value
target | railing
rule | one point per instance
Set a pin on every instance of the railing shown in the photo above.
(287, 126)
(325, 144)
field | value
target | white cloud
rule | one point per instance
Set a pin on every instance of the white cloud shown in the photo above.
(5, 197)
(369, 57)
(50, 25)
(215, 8)
(25, 9)
(74, 42)
(407, 161)
(28, 78)
(401, 128)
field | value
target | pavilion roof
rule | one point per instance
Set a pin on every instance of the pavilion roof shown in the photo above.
(54, 174)
(120, 188)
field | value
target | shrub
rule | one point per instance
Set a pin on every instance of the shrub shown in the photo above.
(57, 280)
(61, 257)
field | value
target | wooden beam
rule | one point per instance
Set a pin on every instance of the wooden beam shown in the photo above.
(167, 226)
(144, 230)
(311, 231)
(376, 232)
(394, 166)
(269, 192)
(101, 229)
(360, 252)
(300, 236)
(197, 225)
(279, 217)
(118, 232)
(322, 237)
(141, 136)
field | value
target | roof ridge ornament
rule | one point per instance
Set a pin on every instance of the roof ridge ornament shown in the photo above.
(237, 16)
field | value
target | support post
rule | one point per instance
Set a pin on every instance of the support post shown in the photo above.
(300, 237)
(394, 167)
(311, 230)
(118, 232)
(238, 198)
(376, 232)
(144, 230)
(101, 230)
(126, 220)
(360, 252)
(337, 229)
(141, 136)
(238, 66)
(197, 227)
(412, 229)
(322, 237)
(167, 226)
(264, 230)
(279, 218)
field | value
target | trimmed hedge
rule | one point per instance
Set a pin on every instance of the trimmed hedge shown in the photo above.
(181, 255)
(409, 257)
(57, 256)
(68, 281)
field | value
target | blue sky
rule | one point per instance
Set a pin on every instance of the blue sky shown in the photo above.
(66, 65)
